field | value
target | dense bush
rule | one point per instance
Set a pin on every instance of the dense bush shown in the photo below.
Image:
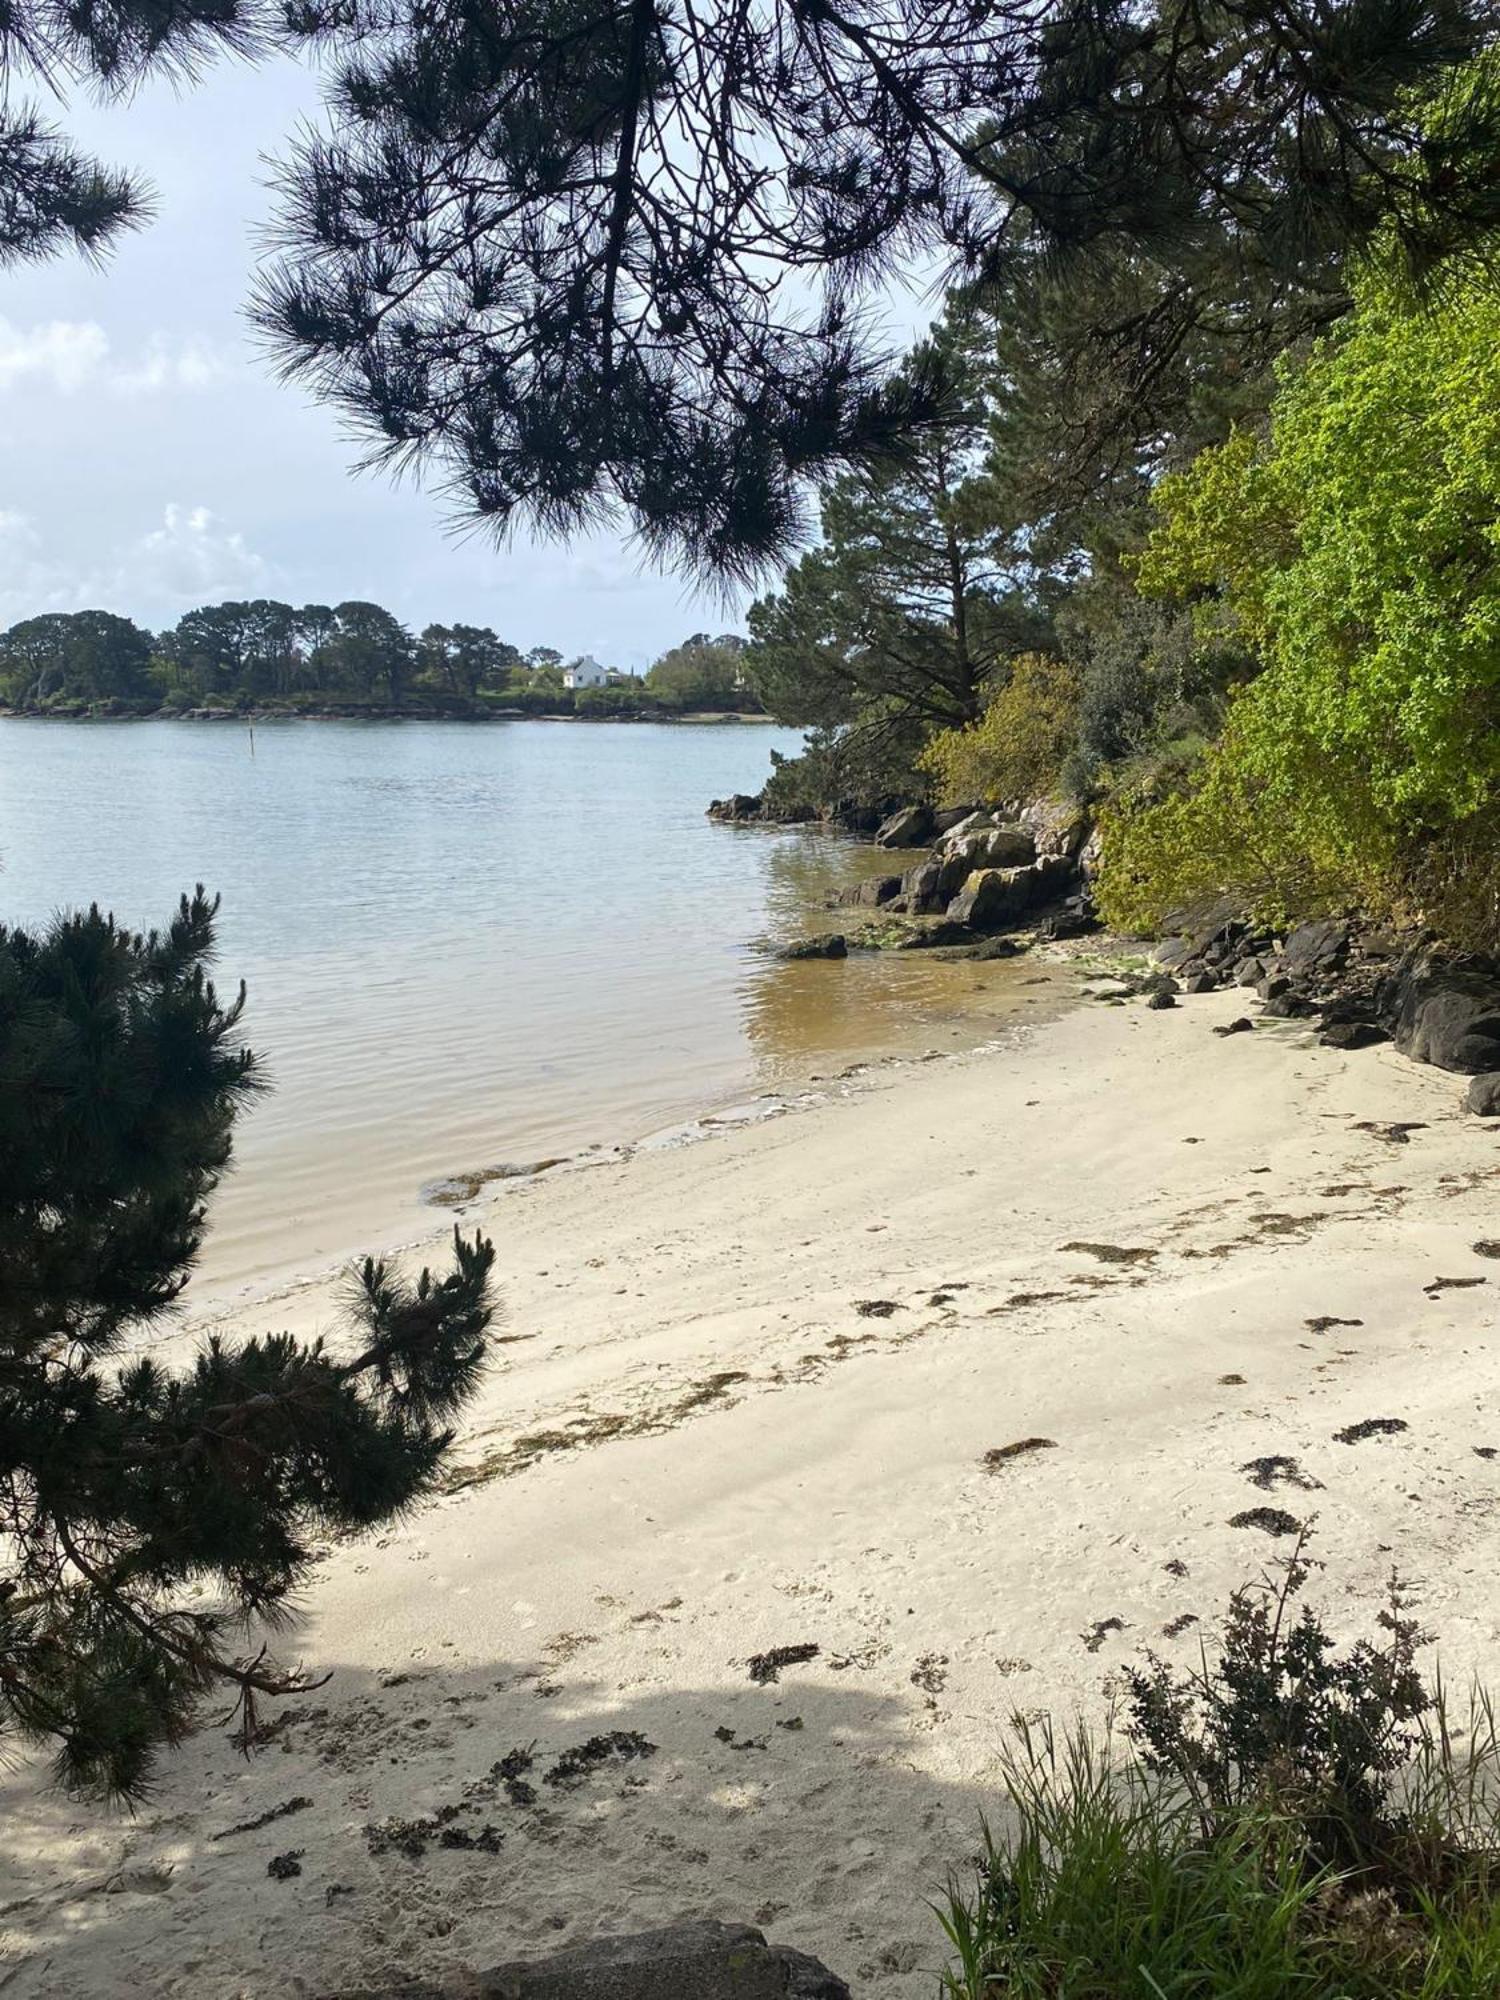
(867, 764)
(1356, 548)
(1019, 746)
(1297, 1819)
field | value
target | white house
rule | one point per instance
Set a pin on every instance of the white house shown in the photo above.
(585, 672)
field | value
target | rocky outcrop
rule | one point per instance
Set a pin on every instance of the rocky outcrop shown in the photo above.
(969, 847)
(1363, 986)
(737, 808)
(1058, 829)
(993, 898)
(1448, 1015)
(842, 816)
(1314, 950)
(909, 827)
(954, 879)
(750, 809)
(692, 1961)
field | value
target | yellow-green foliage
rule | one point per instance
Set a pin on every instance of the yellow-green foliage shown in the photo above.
(1358, 548)
(1017, 748)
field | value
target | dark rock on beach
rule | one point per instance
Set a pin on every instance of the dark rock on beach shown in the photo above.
(1314, 949)
(1446, 1015)
(687, 1961)
(1290, 1006)
(1353, 1035)
(1483, 1097)
(1075, 917)
(944, 934)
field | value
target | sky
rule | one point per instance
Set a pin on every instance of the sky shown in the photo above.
(149, 462)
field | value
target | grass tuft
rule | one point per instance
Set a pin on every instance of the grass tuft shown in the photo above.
(1286, 1822)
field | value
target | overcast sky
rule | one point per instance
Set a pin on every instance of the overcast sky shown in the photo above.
(150, 463)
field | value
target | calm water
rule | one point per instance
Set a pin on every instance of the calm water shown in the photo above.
(464, 945)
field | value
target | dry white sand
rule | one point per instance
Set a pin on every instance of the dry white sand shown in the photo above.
(695, 1448)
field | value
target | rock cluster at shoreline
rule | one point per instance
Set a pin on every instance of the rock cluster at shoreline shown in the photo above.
(980, 873)
(983, 873)
(1363, 986)
(845, 816)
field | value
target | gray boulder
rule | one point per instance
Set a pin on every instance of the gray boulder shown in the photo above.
(1059, 829)
(994, 897)
(1174, 954)
(907, 828)
(694, 1961)
(1483, 1097)
(834, 945)
(1447, 1016)
(922, 888)
(992, 847)
(964, 854)
(1314, 949)
(989, 898)
(876, 890)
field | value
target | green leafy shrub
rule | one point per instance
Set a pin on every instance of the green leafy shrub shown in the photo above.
(1297, 1819)
(1356, 548)
(1019, 746)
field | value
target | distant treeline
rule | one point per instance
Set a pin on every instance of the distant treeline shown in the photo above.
(346, 658)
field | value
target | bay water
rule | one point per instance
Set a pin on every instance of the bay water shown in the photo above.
(468, 947)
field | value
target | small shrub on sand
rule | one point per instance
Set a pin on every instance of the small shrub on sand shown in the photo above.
(1295, 1819)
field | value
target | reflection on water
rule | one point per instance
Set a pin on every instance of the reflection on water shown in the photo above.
(872, 1003)
(467, 945)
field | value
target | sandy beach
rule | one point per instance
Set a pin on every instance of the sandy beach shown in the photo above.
(756, 1394)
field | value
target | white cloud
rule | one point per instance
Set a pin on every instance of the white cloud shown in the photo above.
(192, 558)
(70, 356)
(29, 582)
(64, 353)
(194, 364)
